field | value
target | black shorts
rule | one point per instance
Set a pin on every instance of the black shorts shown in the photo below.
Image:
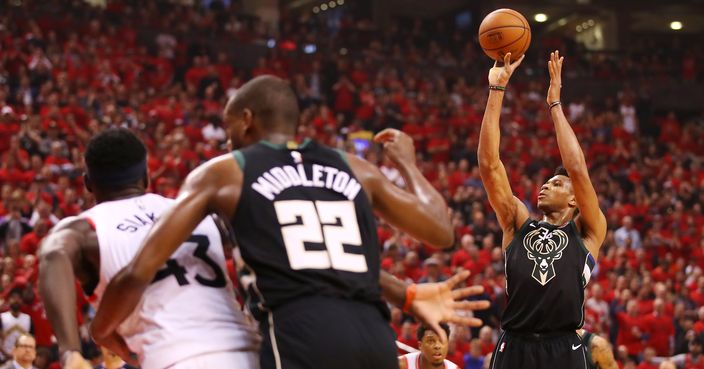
(525, 351)
(325, 333)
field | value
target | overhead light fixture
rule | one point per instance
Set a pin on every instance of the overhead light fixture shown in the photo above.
(591, 23)
(332, 4)
(676, 25)
(540, 17)
(316, 10)
(324, 7)
(340, 2)
(579, 28)
(562, 22)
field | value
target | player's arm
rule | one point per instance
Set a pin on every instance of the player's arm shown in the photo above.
(602, 354)
(421, 211)
(60, 261)
(433, 303)
(510, 211)
(212, 188)
(591, 221)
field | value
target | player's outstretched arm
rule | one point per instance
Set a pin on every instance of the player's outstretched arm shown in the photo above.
(433, 303)
(510, 211)
(591, 220)
(60, 260)
(602, 354)
(421, 211)
(212, 188)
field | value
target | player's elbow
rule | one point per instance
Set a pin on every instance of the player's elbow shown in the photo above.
(445, 238)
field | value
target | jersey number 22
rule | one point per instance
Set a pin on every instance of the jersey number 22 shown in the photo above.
(331, 223)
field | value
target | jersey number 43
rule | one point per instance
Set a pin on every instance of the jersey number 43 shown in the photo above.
(331, 223)
(201, 252)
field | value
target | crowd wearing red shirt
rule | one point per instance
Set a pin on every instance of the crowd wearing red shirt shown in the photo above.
(68, 73)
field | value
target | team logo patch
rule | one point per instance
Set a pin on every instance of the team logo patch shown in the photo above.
(544, 247)
(502, 347)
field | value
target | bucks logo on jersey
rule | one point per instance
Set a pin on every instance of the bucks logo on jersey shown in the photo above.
(544, 247)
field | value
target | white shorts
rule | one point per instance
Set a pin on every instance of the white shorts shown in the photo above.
(221, 360)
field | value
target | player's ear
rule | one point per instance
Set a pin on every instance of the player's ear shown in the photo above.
(247, 118)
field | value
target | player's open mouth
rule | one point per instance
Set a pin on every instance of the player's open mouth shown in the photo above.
(541, 196)
(437, 355)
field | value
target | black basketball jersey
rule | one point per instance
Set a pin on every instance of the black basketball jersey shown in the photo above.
(547, 269)
(305, 226)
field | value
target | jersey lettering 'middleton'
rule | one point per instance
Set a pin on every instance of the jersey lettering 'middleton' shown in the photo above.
(278, 179)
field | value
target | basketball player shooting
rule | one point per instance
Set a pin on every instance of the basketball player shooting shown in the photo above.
(303, 218)
(548, 261)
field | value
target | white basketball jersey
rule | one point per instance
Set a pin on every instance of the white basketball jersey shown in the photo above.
(413, 361)
(190, 307)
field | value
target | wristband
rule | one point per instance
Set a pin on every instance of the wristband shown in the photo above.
(554, 104)
(410, 296)
(497, 88)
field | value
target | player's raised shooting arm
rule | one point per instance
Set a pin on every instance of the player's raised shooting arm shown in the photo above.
(591, 220)
(421, 211)
(60, 259)
(212, 188)
(510, 211)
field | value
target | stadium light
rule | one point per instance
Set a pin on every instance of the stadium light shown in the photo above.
(579, 28)
(562, 22)
(540, 17)
(332, 4)
(316, 10)
(324, 7)
(340, 2)
(676, 25)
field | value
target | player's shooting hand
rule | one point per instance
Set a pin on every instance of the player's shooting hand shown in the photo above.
(555, 69)
(441, 302)
(76, 361)
(398, 146)
(499, 76)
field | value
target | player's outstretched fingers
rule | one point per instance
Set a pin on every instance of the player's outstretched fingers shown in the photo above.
(457, 278)
(461, 293)
(386, 135)
(435, 326)
(466, 321)
(471, 305)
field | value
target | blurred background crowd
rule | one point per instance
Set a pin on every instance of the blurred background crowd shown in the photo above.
(69, 69)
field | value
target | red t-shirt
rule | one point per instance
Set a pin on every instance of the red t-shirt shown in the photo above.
(625, 332)
(660, 328)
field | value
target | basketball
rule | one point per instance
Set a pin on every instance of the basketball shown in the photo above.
(503, 31)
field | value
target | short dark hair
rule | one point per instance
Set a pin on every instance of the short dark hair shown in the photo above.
(113, 150)
(16, 291)
(561, 171)
(421, 330)
(271, 100)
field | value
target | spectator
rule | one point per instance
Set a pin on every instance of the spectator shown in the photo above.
(661, 329)
(647, 362)
(433, 272)
(24, 351)
(474, 359)
(627, 236)
(14, 324)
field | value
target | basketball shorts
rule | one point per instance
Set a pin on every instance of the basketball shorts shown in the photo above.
(324, 333)
(221, 360)
(528, 351)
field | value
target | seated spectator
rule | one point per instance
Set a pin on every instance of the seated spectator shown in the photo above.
(24, 351)
(627, 236)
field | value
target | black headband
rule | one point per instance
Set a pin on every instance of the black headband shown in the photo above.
(118, 177)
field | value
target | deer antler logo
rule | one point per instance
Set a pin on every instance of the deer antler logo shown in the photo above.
(544, 247)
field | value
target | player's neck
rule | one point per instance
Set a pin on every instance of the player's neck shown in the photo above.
(279, 138)
(119, 194)
(558, 218)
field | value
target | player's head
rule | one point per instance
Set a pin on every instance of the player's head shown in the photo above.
(557, 193)
(431, 346)
(116, 159)
(262, 106)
